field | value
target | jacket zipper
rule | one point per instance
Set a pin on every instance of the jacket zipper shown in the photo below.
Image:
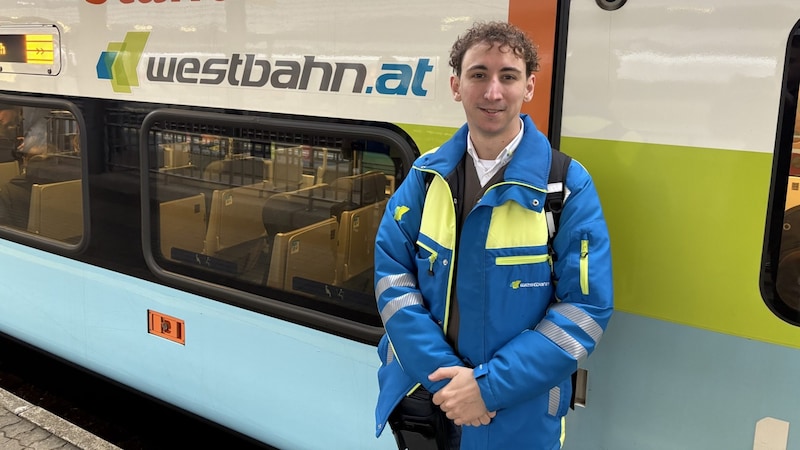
(520, 259)
(432, 258)
(584, 265)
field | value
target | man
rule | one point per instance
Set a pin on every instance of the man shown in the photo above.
(477, 312)
(15, 196)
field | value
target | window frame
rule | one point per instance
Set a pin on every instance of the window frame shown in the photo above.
(34, 240)
(787, 112)
(279, 305)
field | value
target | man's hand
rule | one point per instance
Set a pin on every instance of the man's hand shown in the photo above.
(461, 398)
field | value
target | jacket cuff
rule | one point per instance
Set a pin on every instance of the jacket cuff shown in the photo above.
(486, 391)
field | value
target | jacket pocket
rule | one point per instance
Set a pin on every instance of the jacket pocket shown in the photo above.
(521, 259)
(517, 283)
(426, 257)
(522, 270)
(386, 351)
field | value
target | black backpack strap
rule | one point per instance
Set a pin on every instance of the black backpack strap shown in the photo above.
(554, 202)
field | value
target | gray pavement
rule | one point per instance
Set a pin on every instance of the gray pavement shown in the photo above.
(27, 426)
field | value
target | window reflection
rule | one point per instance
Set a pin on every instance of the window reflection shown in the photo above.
(296, 213)
(40, 172)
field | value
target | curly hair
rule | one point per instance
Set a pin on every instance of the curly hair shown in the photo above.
(502, 34)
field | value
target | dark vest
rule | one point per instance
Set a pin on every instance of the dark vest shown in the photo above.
(466, 188)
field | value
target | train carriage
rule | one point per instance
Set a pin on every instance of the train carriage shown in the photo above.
(203, 207)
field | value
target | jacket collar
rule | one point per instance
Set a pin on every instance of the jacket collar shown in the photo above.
(530, 163)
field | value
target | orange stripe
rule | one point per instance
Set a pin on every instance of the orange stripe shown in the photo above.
(538, 20)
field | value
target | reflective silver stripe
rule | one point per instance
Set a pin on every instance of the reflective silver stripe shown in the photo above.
(553, 401)
(389, 354)
(553, 188)
(558, 187)
(551, 224)
(580, 318)
(410, 299)
(562, 339)
(403, 279)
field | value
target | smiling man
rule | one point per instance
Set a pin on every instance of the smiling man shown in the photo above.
(486, 317)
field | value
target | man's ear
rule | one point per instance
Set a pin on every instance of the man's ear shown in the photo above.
(454, 87)
(529, 88)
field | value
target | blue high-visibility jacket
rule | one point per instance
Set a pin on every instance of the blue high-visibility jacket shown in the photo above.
(525, 320)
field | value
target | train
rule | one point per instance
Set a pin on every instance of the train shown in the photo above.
(202, 212)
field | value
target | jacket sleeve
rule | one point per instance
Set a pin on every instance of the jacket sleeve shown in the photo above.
(540, 358)
(414, 333)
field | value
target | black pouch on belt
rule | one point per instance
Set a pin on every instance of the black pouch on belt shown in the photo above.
(418, 424)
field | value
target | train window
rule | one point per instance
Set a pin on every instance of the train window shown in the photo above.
(41, 193)
(281, 209)
(780, 277)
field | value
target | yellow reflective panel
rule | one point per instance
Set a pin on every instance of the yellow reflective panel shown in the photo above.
(515, 226)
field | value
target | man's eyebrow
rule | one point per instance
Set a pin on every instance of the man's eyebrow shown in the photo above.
(483, 67)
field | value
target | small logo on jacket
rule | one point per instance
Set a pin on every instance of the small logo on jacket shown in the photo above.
(519, 284)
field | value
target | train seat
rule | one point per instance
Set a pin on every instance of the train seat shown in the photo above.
(56, 210)
(358, 223)
(356, 240)
(235, 229)
(175, 155)
(182, 225)
(238, 172)
(54, 168)
(8, 170)
(307, 253)
(287, 169)
(360, 190)
(289, 211)
(792, 192)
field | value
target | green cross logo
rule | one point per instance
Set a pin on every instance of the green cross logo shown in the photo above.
(119, 62)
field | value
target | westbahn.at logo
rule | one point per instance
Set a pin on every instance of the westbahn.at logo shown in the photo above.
(312, 73)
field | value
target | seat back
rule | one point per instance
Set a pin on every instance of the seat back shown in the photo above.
(287, 168)
(8, 170)
(287, 211)
(307, 253)
(176, 154)
(235, 217)
(356, 240)
(56, 210)
(241, 171)
(182, 224)
(361, 189)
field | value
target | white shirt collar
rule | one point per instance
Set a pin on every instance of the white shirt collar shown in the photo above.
(487, 168)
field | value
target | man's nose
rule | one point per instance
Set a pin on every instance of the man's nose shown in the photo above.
(494, 90)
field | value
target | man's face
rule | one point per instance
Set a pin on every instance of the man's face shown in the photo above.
(492, 87)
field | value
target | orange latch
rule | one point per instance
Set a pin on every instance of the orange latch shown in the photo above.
(166, 326)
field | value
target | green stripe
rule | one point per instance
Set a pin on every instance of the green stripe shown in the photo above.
(687, 228)
(427, 138)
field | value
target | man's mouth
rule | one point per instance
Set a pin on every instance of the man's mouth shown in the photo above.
(491, 111)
